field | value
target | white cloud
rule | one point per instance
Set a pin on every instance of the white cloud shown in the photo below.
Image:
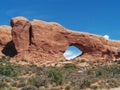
(106, 37)
(70, 55)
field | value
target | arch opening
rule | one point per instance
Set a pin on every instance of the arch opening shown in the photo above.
(72, 52)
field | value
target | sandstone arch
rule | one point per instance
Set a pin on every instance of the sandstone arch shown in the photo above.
(41, 42)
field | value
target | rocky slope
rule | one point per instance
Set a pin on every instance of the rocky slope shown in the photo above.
(45, 42)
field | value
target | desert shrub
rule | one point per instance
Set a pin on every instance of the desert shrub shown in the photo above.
(4, 81)
(82, 60)
(104, 71)
(98, 73)
(70, 66)
(81, 83)
(2, 84)
(14, 84)
(115, 68)
(84, 84)
(112, 83)
(2, 60)
(90, 72)
(57, 75)
(110, 70)
(87, 83)
(37, 80)
(29, 87)
(7, 88)
(32, 80)
(21, 84)
(7, 68)
(117, 61)
(23, 70)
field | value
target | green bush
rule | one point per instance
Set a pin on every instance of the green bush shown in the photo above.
(37, 80)
(7, 68)
(7, 88)
(87, 83)
(70, 66)
(84, 84)
(106, 70)
(57, 75)
(98, 73)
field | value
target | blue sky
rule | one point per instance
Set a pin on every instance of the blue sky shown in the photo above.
(94, 16)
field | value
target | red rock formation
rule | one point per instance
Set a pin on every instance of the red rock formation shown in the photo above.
(45, 42)
(5, 37)
(20, 33)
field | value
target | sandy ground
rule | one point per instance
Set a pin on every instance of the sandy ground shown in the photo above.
(115, 88)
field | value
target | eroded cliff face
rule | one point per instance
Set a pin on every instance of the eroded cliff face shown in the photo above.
(6, 44)
(45, 42)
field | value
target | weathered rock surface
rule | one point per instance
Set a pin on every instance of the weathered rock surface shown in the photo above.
(5, 37)
(45, 42)
(20, 33)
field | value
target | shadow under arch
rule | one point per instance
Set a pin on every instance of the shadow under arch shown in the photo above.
(9, 49)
